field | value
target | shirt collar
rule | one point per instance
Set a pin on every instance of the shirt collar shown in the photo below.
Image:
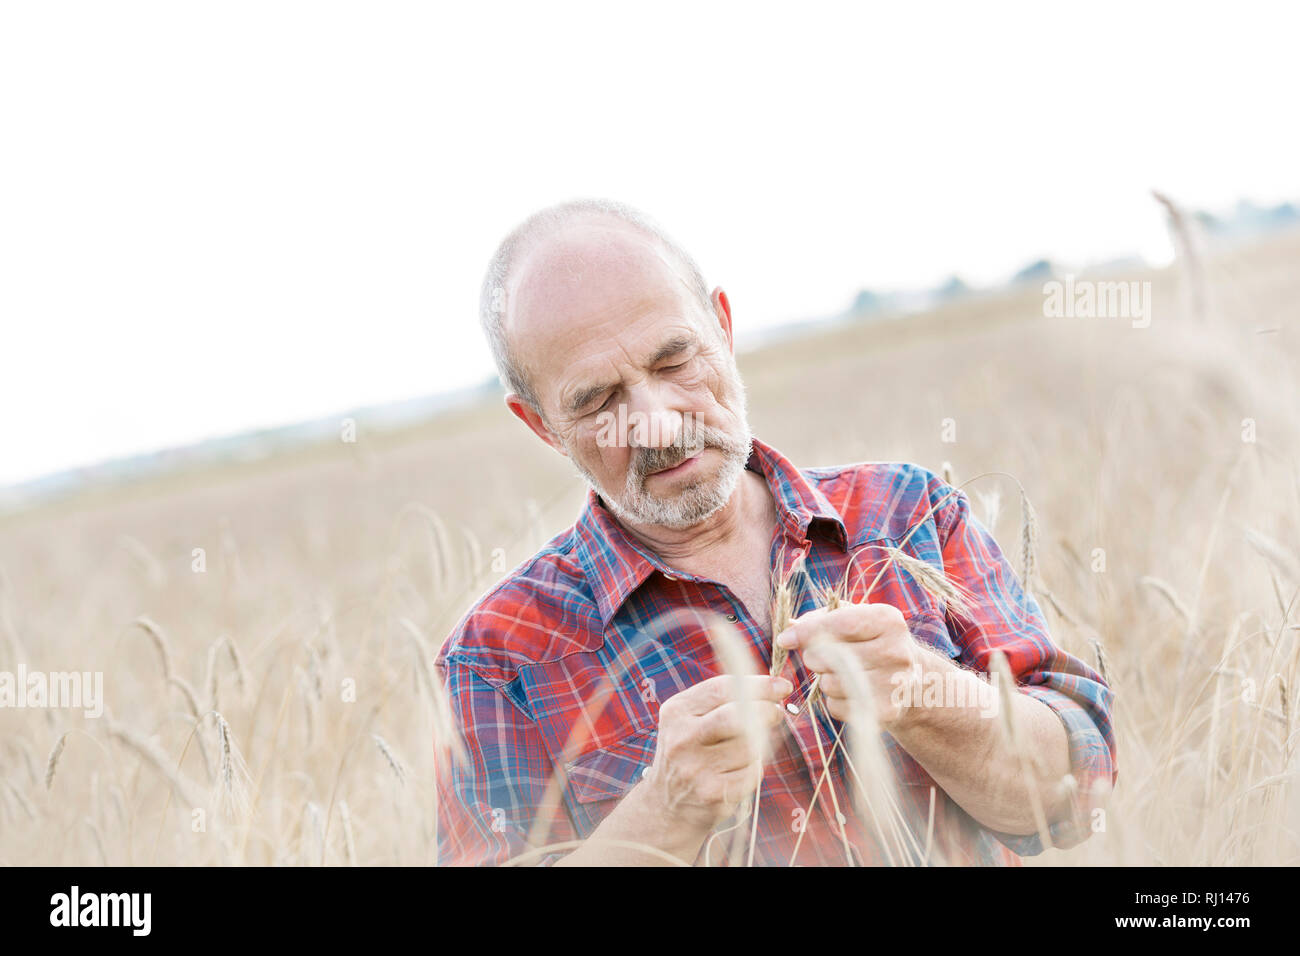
(616, 564)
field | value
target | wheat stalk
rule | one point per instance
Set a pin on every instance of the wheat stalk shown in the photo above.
(1166, 591)
(159, 638)
(784, 602)
(940, 588)
(445, 735)
(233, 795)
(349, 847)
(394, 764)
(183, 788)
(99, 839)
(1189, 255)
(22, 801)
(1028, 543)
(212, 683)
(313, 849)
(736, 662)
(934, 582)
(52, 764)
(991, 505)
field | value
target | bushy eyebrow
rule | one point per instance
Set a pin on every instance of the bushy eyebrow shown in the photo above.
(584, 396)
(678, 343)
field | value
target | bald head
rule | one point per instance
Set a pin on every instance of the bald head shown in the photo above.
(618, 357)
(577, 258)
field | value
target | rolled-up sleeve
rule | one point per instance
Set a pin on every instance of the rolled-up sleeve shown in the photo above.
(1008, 619)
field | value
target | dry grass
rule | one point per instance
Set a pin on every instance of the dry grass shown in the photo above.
(1162, 547)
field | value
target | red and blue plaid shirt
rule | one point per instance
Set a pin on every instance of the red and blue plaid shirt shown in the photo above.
(559, 670)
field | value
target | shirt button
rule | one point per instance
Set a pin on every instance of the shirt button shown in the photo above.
(732, 618)
(645, 771)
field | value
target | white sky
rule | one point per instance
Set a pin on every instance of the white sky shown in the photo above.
(216, 217)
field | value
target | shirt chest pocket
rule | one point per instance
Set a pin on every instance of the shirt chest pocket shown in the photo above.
(599, 779)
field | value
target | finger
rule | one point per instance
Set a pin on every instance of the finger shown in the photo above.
(740, 783)
(734, 755)
(713, 693)
(802, 629)
(838, 708)
(818, 625)
(862, 622)
(821, 658)
(851, 623)
(827, 658)
(728, 722)
(831, 685)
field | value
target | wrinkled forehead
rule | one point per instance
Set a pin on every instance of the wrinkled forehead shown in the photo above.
(587, 279)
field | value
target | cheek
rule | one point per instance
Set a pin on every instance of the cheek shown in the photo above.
(600, 457)
(718, 375)
(706, 386)
(725, 394)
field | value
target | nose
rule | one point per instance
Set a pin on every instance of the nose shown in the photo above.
(652, 422)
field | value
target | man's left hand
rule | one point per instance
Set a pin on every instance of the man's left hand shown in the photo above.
(877, 640)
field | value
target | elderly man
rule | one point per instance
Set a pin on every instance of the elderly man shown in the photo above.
(599, 725)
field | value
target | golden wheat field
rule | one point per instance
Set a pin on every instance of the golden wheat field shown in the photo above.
(1161, 462)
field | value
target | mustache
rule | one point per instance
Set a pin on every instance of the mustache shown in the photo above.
(649, 460)
(689, 444)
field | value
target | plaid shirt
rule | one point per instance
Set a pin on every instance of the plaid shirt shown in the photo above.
(559, 670)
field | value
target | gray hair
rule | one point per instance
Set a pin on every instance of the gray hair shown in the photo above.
(547, 222)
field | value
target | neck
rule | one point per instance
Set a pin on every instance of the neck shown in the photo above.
(750, 508)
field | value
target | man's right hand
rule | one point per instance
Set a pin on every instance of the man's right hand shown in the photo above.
(706, 762)
(713, 738)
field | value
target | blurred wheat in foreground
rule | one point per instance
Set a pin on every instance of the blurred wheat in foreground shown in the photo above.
(274, 701)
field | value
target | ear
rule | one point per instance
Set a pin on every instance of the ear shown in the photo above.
(722, 309)
(533, 419)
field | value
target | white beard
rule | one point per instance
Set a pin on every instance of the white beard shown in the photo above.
(702, 497)
(698, 501)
